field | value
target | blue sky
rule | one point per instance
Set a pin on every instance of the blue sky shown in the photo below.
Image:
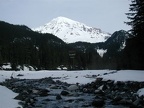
(108, 15)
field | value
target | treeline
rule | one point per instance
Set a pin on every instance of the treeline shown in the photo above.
(19, 45)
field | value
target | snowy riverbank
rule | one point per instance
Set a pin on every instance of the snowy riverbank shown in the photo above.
(71, 77)
(82, 77)
(6, 98)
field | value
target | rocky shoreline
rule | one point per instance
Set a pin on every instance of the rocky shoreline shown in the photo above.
(47, 93)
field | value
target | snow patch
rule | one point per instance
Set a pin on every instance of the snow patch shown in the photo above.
(140, 92)
(7, 98)
(126, 75)
(7, 66)
(101, 52)
(62, 67)
(122, 46)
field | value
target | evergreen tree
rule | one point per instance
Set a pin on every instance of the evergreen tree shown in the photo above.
(134, 51)
(137, 18)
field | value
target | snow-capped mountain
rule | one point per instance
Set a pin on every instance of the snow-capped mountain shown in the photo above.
(72, 31)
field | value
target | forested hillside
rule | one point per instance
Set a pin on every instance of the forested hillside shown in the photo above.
(20, 46)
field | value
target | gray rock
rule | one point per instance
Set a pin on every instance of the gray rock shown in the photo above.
(99, 92)
(98, 103)
(43, 92)
(35, 91)
(99, 79)
(53, 87)
(117, 98)
(136, 102)
(65, 93)
(103, 87)
(73, 87)
(58, 97)
(125, 102)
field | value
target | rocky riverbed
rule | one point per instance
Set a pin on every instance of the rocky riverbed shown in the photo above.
(47, 93)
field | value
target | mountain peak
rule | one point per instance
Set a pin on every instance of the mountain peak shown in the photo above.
(62, 19)
(72, 31)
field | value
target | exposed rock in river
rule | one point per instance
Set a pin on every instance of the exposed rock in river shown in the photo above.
(47, 93)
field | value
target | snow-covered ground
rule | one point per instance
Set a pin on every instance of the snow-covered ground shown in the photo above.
(6, 98)
(81, 77)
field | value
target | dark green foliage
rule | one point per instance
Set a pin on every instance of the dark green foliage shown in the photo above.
(134, 54)
(134, 51)
(136, 16)
(19, 45)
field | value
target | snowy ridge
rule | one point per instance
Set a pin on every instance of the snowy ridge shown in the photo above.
(72, 31)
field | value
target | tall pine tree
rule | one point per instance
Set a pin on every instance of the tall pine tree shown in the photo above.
(137, 18)
(134, 51)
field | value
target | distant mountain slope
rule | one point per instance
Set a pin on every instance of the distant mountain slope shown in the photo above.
(111, 51)
(10, 32)
(118, 39)
(72, 31)
(115, 43)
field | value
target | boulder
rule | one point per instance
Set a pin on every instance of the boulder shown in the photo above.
(43, 92)
(125, 102)
(103, 87)
(99, 79)
(64, 93)
(73, 87)
(98, 103)
(136, 102)
(117, 98)
(99, 92)
(58, 97)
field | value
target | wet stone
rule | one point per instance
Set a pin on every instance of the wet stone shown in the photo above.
(98, 103)
(47, 93)
(43, 92)
(58, 97)
(64, 93)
